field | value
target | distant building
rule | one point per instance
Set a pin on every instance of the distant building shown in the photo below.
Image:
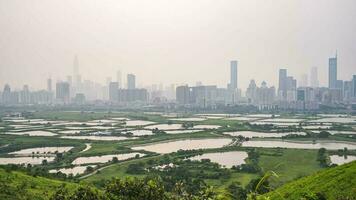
(131, 81)
(282, 88)
(25, 95)
(49, 85)
(114, 91)
(183, 95)
(353, 87)
(79, 99)
(333, 72)
(265, 96)
(132, 95)
(251, 92)
(119, 78)
(6, 94)
(63, 92)
(287, 86)
(233, 75)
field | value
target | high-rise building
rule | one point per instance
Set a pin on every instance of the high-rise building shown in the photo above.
(63, 92)
(233, 75)
(114, 91)
(131, 81)
(119, 78)
(333, 72)
(25, 95)
(353, 87)
(314, 81)
(282, 82)
(49, 85)
(183, 94)
(6, 94)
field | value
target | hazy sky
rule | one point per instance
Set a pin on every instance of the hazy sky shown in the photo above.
(174, 41)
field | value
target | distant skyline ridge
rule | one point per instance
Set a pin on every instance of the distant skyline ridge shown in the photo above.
(175, 41)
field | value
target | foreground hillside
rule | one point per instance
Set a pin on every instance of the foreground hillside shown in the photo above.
(17, 185)
(334, 183)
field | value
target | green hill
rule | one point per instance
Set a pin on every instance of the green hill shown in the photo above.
(17, 185)
(334, 183)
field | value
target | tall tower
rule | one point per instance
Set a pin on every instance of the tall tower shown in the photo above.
(282, 85)
(233, 75)
(119, 78)
(49, 85)
(131, 81)
(333, 72)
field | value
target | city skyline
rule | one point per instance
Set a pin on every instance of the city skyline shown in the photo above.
(157, 45)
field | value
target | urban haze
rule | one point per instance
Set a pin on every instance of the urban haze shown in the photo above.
(177, 99)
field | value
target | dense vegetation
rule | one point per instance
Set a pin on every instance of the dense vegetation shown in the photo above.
(334, 183)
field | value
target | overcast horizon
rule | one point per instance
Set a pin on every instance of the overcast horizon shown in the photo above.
(174, 41)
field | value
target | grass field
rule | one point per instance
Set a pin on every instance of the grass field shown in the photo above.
(333, 183)
(292, 164)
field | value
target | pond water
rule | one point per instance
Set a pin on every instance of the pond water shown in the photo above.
(42, 150)
(298, 145)
(261, 115)
(101, 127)
(173, 146)
(316, 127)
(251, 134)
(339, 160)
(280, 124)
(102, 138)
(283, 120)
(138, 123)
(165, 126)
(103, 121)
(343, 132)
(206, 126)
(21, 126)
(242, 118)
(74, 170)
(226, 159)
(183, 131)
(140, 132)
(70, 132)
(104, 158)
(25, 160)
(120, 118)
(335, 120)
(189, 119)
(78, 127)
(33, 133)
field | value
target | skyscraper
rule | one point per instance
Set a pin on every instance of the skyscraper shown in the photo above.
(6, 95)
(233, 75)
(282, 86)
(333, 72)
(49, 85)
(314, 82)
(114, 91)
(353, 86)
(131, 81)
(119, 78)
(63, 92)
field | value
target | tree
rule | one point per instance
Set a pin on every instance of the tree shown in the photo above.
(135, 189)
(237, 191)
